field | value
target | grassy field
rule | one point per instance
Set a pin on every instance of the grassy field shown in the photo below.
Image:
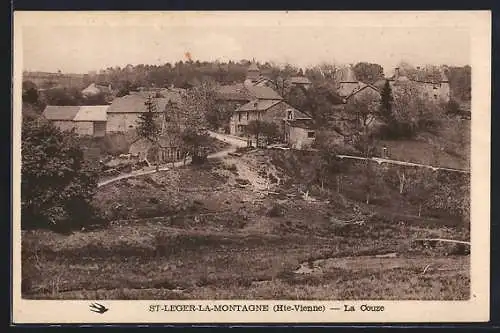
(450, 148)
(197, 233)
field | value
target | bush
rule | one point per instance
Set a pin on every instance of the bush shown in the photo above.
(57, 184)
(276, 210)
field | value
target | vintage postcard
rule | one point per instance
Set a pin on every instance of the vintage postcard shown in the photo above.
(251, 167)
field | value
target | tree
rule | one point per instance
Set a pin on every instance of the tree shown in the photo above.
(297, 97)
(365, 107)
(57, 184)
(371, 176)
(460, 82)
(386, 101)
(320, 100)
(328, 165)
(193, 117)
(97, 99)
(219, 115)
(147, 126)
(30, 92)
(63, 96)
(368, 72)
(421, 183)
(258, 128)
(272, 132)
(452, 194)
(194, 142)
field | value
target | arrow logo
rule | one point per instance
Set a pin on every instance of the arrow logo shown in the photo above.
(98, 308)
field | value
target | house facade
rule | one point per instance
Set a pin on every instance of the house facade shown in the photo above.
(431, 88)
(124, 112)
(299, 134)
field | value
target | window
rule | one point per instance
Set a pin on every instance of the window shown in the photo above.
(435, 96)
(310, 134)
(290, 114)
(247, 115)
(239, 116)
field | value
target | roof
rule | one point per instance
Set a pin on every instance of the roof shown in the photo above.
(263, 92)
(363, 86)
(258, 105)
(94, 88)
(134, 103)
(346, 90)
(283, 112)
(305, 124)
(56, 112)
(246, 93)
(299, 80)
(234, 92)
(92, 113)
(422, 76)
(300, 114)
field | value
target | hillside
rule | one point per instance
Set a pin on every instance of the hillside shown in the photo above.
(241, 229)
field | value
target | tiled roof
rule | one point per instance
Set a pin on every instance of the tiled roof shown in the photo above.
(135, 103)
(258, 105)
(92, 113)
(262, 92)
(236, 92)
(243, 92)
(56, 112)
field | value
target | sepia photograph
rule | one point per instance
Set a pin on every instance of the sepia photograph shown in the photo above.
(214, 156)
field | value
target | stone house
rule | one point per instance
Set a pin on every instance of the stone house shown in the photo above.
(94, 89)
(124, 112)
(431, 87)
(300, 134)
(83, 120)
(294, 127)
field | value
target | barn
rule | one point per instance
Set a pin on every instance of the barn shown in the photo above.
(84, 120)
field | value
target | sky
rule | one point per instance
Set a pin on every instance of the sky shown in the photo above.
(79, 47)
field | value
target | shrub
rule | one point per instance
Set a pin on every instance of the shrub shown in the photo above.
(276, 210)
(57, 183)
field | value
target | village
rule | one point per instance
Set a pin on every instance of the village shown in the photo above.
(281, 182)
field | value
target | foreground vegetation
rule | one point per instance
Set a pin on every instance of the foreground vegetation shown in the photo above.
(201, 233)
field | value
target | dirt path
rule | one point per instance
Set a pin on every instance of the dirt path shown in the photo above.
(219, 154)
(240, 142)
